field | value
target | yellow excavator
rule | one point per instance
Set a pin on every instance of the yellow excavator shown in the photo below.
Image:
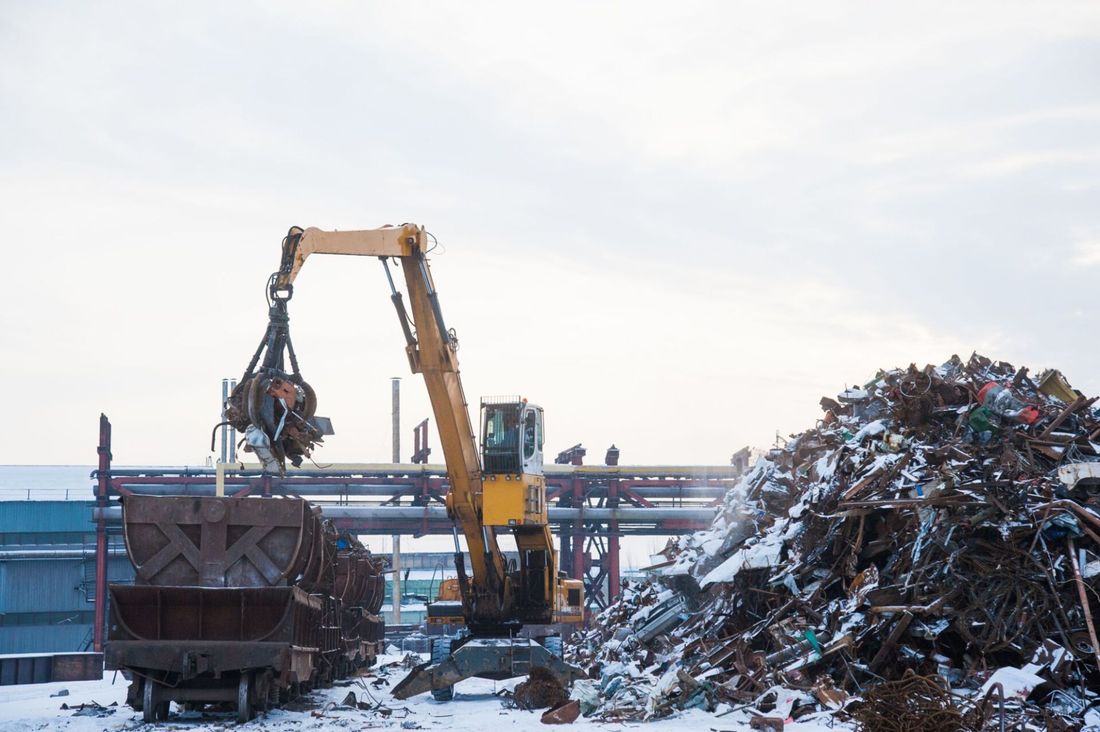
(446, 608)
(499, 488)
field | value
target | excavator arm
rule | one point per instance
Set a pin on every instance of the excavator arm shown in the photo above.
(504, 489)
(432, 352)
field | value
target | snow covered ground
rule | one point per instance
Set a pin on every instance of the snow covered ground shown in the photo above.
(475, 708)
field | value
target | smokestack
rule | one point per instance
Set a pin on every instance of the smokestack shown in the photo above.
(395, 599)
(224, 428)
(396, 382)
(232, 430)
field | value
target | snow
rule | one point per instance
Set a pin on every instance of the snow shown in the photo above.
(1016, 682)
(870, 430)
(475, 708)
(756, 556)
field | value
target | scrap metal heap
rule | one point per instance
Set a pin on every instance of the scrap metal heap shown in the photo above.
(927, 557)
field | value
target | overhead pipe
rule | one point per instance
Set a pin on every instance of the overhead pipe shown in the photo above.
(336, 486)
(113, 514)
(595, 472)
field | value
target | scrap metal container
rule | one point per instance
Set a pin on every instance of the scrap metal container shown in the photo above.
(240, 600)
(187, 632)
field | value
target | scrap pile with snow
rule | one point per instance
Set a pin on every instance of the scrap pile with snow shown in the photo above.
(926, 557)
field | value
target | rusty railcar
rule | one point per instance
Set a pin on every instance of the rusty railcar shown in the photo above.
(243, 602)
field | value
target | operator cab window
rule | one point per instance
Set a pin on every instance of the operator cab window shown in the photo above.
(500, 439)
(529, 435)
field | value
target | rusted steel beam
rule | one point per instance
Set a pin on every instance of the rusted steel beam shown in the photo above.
(1083, 597)
(102, 488)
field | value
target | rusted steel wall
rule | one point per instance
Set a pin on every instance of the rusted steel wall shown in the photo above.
(219, 542)
(259, 591)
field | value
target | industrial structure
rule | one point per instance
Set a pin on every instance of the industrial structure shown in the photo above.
(591, 508)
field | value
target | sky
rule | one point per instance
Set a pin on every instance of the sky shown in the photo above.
(675, 226)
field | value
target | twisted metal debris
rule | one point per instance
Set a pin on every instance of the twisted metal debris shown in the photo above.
(911, 704)
(925, 527)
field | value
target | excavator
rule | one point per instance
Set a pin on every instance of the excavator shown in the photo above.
(495, 490)
(446, 608)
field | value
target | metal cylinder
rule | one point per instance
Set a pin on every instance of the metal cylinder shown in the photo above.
(232, 430)
(224, 428)
(396, 388)
(557, 515)
(396, 562)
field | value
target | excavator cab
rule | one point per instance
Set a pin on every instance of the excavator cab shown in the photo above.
(511, 436)
(511, 459)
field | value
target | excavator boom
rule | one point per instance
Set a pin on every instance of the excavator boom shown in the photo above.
(432, 352)
(500, 488)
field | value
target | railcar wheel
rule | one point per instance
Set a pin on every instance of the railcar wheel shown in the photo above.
(149, 701)
(244, 704)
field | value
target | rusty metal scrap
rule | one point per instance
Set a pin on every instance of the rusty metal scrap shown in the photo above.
(911, 704)
(915, 532)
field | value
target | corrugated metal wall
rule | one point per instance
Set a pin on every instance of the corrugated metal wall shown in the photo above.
(44, 638)
(46, 516)
(42, 585)
(54, 585)
(46, 603)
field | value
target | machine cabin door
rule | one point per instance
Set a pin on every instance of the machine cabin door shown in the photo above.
(532, 440)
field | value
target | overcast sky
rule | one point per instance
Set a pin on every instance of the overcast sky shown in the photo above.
(674, 225)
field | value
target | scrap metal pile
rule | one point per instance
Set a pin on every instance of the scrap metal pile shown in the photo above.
(927, 557)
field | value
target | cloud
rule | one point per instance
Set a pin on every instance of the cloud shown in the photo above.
(677, 225)
(1087, 252)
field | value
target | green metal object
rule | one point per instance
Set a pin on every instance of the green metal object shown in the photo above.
(812, 638)
(983, 420)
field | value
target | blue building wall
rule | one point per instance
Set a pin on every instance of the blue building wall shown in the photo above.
(47, 575)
